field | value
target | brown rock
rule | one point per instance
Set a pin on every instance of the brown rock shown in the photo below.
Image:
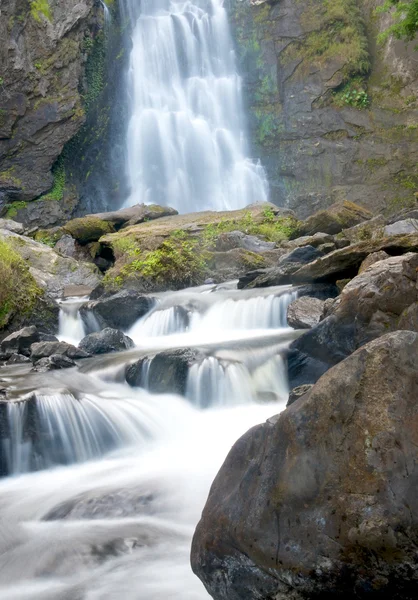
(372, 258)
(320, 502)
(334, 219)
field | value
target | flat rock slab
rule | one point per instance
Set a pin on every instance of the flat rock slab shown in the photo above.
(305, 312)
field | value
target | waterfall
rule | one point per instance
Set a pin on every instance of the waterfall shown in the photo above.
(186, 140)
(107, 16)
(71, 327)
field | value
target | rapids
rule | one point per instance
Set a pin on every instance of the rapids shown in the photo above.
(106, 482)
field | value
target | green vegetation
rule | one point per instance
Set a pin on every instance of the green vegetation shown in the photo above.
(13, 209)
(271, 228)
(405, 19)
(18, 291)
(47, 237)
(352, 95)
(95, 69)
(177, 262)
(57, 191)
(336, 31)
(40, 7)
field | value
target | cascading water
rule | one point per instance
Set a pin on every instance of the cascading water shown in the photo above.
(121, 474)
(186, 141)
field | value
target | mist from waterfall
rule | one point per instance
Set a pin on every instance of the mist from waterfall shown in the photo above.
(186, 140)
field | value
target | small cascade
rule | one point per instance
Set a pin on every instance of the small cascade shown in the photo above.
(216, 383)
(186, 140)
(260, 312)
(53, 429)
(71, 327)
(161, 322)
(107, 16)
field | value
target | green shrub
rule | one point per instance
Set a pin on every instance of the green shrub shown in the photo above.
(40, 7)
(405, 19)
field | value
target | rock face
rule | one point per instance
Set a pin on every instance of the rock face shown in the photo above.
(42, 350)
(317, 147)
(106, 341)
(305, 312)
(19, 342)
(320, 502)
(40, 106)
(337, 217)
(372, 304)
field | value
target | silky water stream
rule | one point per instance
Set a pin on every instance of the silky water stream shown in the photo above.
(106, 482)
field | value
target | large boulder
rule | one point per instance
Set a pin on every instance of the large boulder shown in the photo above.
(369, 306)
(334, 219)
(106, 341)
(118, 311)
(320, 502)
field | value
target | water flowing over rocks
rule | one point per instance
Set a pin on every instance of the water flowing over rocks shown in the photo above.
(320, 500)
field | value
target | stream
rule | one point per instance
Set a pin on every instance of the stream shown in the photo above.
(108, 481)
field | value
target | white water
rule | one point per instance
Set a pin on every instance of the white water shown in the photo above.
(186, 141)
(118, 522)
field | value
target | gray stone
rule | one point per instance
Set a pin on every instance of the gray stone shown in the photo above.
(19, 342)
(53, 363)
(401, 227)
(17, 359)
(118, 311)
(46, 349)
(305, 312)
(373, 258)
(106, 341)
(238, 239)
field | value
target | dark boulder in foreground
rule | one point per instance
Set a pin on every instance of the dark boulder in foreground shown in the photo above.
(106, 341)
(320, 502)
(20, 342)
(305, 312)
(42, 350)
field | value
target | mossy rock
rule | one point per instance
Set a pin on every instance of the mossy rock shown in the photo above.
(178, 251)
(88, 229)
(19, 291)
(334, 219)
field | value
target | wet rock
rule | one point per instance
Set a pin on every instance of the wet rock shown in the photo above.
(337, 217)
(88, 229)
(17, 359)
(53, 363)
(370, 305)
(305, 312)
(298, 392)
(373, 258)
(322, 291)
(118, 311)
(46, 349)
(167, 372)
(320, 502)
(68, 246)
(19, 342)
(106, 341)
(346, 262)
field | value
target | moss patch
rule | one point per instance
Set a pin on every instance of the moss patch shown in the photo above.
(88, 229)
(18, 291)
